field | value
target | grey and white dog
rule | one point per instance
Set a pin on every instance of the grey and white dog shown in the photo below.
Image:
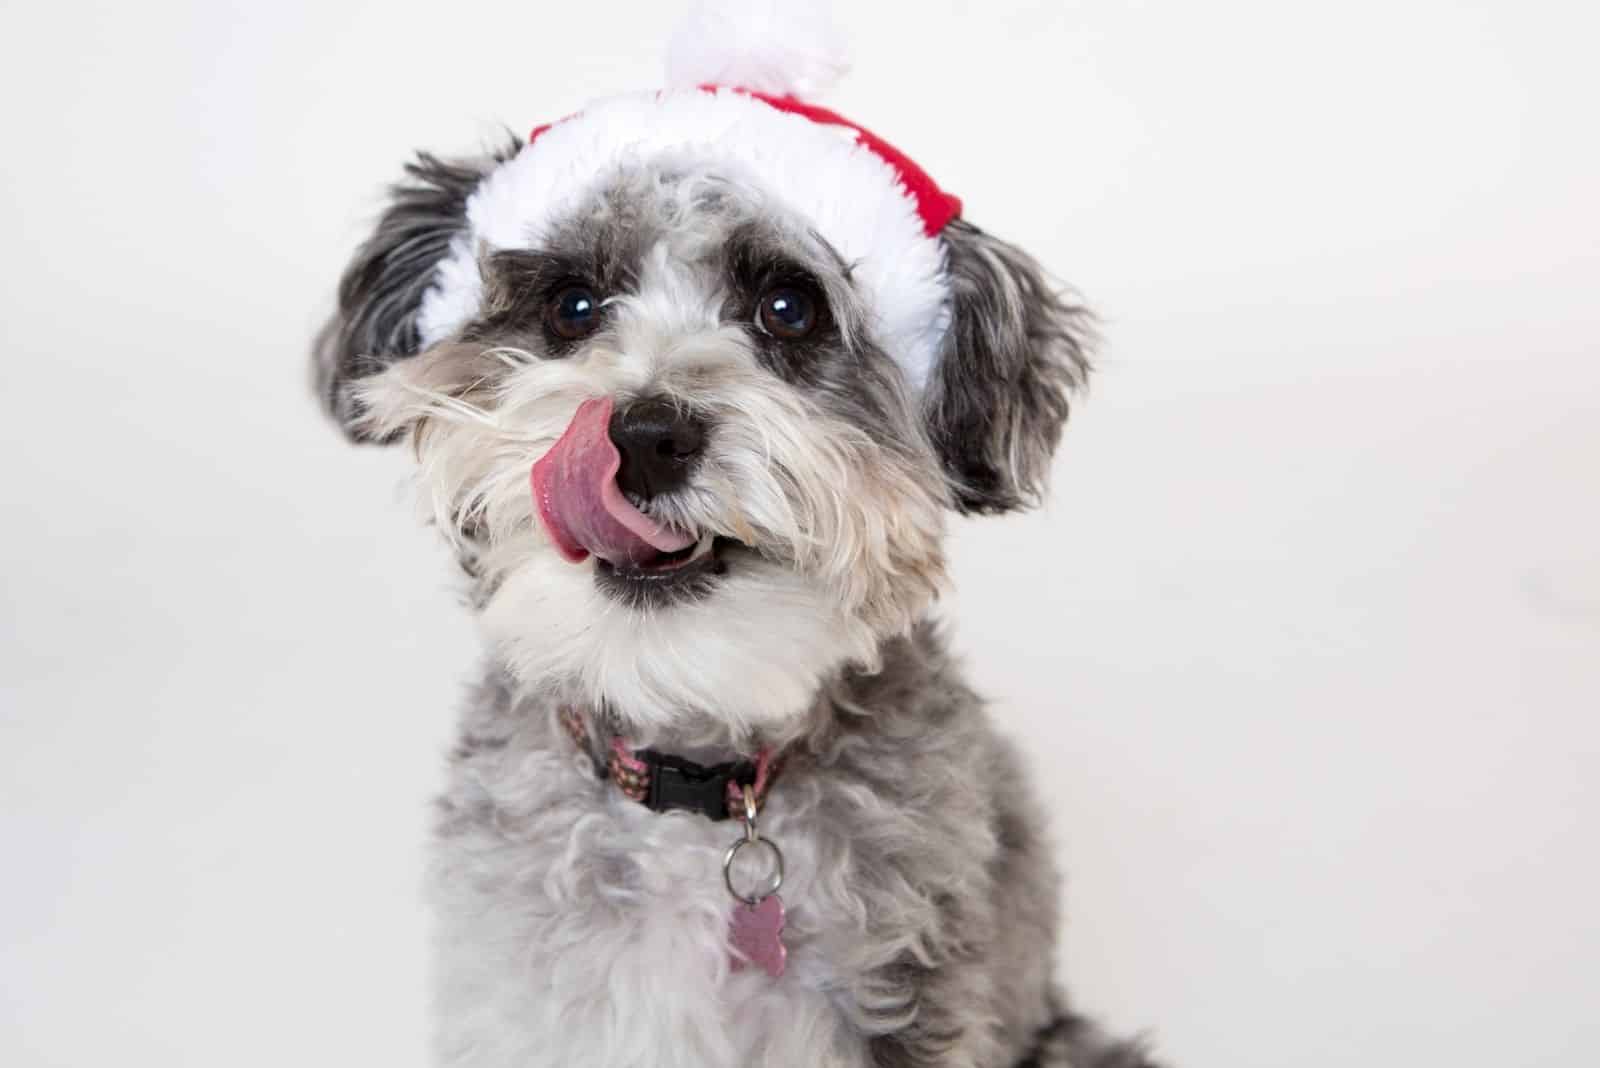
(735, 554)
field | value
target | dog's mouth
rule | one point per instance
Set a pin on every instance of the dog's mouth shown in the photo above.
(704, 557)
(670, 578)
(585, 513)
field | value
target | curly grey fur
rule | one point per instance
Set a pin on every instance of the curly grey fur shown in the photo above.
(999, 396)
(922, 898)
(1071, 1041)
(381, 290)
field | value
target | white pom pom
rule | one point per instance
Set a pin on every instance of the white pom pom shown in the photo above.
(791, 48)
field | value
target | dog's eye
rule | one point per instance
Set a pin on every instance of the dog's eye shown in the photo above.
(787, 312)
(574, 313)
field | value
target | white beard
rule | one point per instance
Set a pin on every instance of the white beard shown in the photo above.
(750, 655)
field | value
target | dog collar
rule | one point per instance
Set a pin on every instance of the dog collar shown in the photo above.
(663, 782)
(736, 789)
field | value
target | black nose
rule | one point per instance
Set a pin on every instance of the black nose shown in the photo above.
(659, 443)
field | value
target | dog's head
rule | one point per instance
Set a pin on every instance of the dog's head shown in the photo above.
(692, 417)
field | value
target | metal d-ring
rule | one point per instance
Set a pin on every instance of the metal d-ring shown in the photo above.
(777, 875)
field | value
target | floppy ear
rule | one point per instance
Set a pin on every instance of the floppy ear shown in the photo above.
(997, 399)
(380, 293)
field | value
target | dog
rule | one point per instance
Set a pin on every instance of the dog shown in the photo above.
(694, 380)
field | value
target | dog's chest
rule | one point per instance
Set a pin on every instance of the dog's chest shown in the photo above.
(575, 926)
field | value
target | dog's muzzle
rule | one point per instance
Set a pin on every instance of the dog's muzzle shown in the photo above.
(579, 500)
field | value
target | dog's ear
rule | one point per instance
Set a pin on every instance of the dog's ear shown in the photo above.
(997, 398)
(381, 291)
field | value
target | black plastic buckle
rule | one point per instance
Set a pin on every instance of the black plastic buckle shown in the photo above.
(676, 783)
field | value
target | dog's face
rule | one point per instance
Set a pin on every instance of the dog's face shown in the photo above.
(670, 446)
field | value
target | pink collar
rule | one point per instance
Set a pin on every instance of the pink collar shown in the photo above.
(664, 782)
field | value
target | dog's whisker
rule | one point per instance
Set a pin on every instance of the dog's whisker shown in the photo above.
(510, 356)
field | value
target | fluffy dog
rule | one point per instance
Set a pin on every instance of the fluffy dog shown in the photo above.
(693, 380)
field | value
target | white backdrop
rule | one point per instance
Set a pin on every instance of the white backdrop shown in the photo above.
(1306, 649)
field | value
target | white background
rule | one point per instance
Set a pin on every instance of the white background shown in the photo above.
(1306, 649)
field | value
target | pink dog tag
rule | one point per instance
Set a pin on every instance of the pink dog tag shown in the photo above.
(758, 934)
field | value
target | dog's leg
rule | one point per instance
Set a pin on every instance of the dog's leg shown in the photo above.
(938, 1037)
(1072, 1041)
(945, 1030)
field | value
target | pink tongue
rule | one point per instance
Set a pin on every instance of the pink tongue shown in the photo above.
(575, 493)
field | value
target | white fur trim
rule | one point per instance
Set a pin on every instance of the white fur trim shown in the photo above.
(850, 196)
(771, 46)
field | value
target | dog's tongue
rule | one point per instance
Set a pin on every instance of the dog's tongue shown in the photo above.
(575, 493)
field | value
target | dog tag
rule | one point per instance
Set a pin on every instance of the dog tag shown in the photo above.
(758, 935)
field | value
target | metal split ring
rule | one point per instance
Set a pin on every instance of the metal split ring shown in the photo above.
(777, 876)
(750, 813)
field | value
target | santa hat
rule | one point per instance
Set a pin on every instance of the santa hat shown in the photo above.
(737, 75)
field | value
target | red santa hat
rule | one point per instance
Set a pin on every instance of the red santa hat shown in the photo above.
(738, 73)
